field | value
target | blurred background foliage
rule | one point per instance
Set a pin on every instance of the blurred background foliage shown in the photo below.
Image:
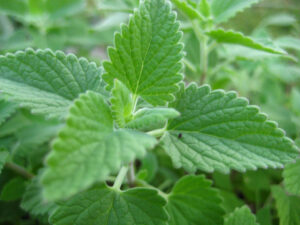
(86, 28)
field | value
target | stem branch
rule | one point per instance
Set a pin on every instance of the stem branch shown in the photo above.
(131, 175)
(120, 178)
(19, 170)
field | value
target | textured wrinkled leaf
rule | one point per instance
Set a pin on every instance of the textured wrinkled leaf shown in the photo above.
(291, 176)
(241, 216)
(47, 82)
(220, 131)
(3, 157)
(121, 103)
(88, 148)
(13, 189)
(288, 206)
(188, 9)
(148, 119)
(147, 53)
(233, 37)
(33, 201)
(105, 206)
(224, 10)
(194, 201)
(6, 109)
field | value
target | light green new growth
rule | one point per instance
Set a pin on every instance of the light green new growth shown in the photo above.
(291, 175)
(102, 205)
(88, 148)
(194, 201)
(224, 10)
(219, 131)
(122, 104)
(147, 53)
(288, 206)
(233, 37)
(241, 216)
(148, 119)
(188, 9)
(47, 82)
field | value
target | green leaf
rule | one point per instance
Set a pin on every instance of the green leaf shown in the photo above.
(13, 189)
(149, 167)
(264, 216)
(291, 175)
(33, 10)
(3, 157)
(33, 201)
(147, 53)
(88, 148)
(148, 119)
(233, 37)
(102, 205)
(220, 131)
(288, 42)
(47, 82)
(230, 201)
(204, 8)
(194, 201)
(224, 10)
(280, 19)
(188, 9)
(288, 206)
(241, 216)
(6, 109)
(122, 105)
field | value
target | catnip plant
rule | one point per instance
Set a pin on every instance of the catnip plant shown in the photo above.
(107, 119)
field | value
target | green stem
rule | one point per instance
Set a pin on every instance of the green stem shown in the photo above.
(131, 175)
(189, 65)
(145, 184)
(19, 170)
(120, 178)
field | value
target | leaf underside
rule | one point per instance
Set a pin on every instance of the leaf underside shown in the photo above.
(194, 202)
(89, 149)
(233, 37)
(47, 82)
(147, 53)
(102, 205)
(220, 131)
(224, 10)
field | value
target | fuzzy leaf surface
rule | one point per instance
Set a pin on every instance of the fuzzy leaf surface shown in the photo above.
(291, 175)
(241, 216)
(148, 119)
(147, 53)
(88, 148)
(220, 131)
(47, 82)
(224, 10)
(288, 206)
(194, 202)
(238, 38)
(105, 206)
